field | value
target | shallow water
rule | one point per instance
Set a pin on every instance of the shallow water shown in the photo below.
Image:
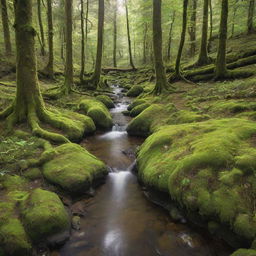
(119, 220)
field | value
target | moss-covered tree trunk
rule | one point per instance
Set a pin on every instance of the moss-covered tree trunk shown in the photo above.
(82, 42)
(68, 83)
(115, 33)
(6, 30)
(170, 37)
(161, 81)
(203, 58)
(192, 28)
(221, 68)
(129, 36)
(145, 36)
(211, 27)
(177, 74)
(41, 27)
(250, 26)
(49, 71)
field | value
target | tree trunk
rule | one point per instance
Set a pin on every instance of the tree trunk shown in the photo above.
(128, 35)
(192, 29)
(41, 27)
(170, 37)
(250, 27)
(49, 67)
(7, 38)
(95, 79)
(211, 27)
(221, 69)
(82, 42)
(182, 40)
(161, 81)
(115, 34)
(68, 83)
(145, 43)
(203, 58)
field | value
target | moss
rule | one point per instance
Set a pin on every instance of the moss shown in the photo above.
(14, 182)
(33, 174)
(98, 112)
(185, 116)
(138, 109)
(135, 91)
(136, 103)
(73, 168)
(244, 252)
(13, 238)
(247, 161)
(107, 101)
(245, 226)
(231, 177)
(43, 215)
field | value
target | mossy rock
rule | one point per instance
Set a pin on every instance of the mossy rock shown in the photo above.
(43, 215)
(244, 252)
(33, 173)
(98, 112)
(73, 168)
(135, 91)
(136, 103)
(106, 100)
(203, 166)
(185, 116)
(138, 109)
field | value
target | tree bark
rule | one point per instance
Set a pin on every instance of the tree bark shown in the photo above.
(41, 27)
(221, 68)
(161, 81)
(145, 43)
(170, 37)
(49, 67)
(250, 27)
(128, 35)
(115, 34)
(192, 29)
(211, 27)
(234, 18)
(203, 58)
(69, 72)
(82, 42)
(6, 30)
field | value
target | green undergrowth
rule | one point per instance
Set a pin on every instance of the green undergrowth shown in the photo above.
(206, 167)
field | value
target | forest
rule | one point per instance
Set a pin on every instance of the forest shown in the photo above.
(127, 127)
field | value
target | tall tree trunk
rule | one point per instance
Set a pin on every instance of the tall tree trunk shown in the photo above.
(115, 33)
(5, 19)
(68, 83)
(221, 68)
(250, 27)
(170, 37)
(182, 41)
(82, 42)
(41, 27)
(192, 29)
(161, 81)
(203, 58)
(49, 67)
(128, 35)
(145, 43)
(211, 27)
(95, 79)
(234, 18)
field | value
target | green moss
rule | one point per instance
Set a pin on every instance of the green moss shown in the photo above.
(185, 116)
(138, 109)
(231, 177)
(247, 161)
(107, 101)
(245, 226)
(32, 174)
(14, 182)
(43, 215)
(73, 168)
(244, 252)
(135, 91)
(98, 112)
(136, 103)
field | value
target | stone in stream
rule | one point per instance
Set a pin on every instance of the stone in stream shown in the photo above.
(76, 222)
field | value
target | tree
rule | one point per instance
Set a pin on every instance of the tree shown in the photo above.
(192, 28)
(161, 81)
(49, 67)
(28, 104)
(68, 83)
(203, 58)
(145, 44)
(115, 33)
(82, 42)
(41, 27)
(170, 36)
(251, 7)
(129, 36)
(221, 68)
(5, 19)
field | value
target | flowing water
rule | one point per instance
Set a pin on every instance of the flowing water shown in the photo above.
(119, 220)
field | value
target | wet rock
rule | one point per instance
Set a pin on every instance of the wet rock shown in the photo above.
(78, 208)
(76, 222)
(175, 214)
(59, 239)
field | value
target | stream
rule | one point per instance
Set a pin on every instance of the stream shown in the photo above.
(119, 219)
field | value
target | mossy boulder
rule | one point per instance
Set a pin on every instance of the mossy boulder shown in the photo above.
(135, 91)
(44, 215)
(185, 116)
(244, 252)
(98, 112)
(73, 168)
(207, 167)
(136, 103)
(106, 100)
(138, 109)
